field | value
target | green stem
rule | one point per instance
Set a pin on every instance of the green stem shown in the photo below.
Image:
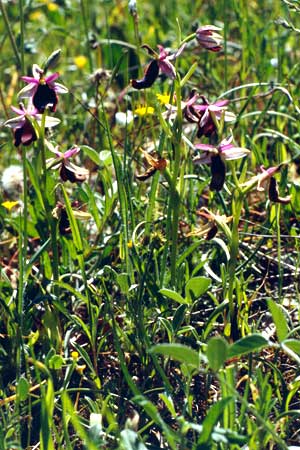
(174, 194)
(122, 194)
(189, 38)
(23, 239)
(234, 251)
(10, 35)
(280, 271)
(86, 32)
(48, 209)
(22, 34)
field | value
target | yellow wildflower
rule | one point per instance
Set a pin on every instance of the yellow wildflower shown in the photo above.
(80, 61)
(52, 7)
(164, 99)
(80, 368)
(36, 15)
(75, 355)
(144, 111)
(9, 205)
(130, 244)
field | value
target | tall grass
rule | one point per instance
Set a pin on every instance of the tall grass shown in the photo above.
(142, 309)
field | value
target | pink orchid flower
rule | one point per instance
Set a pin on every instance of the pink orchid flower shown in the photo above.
(206, 114)
(161, 62)
(42, 90)
(24, 132)
(164, 59)
(216, 156)
(266, 181)
(67, 169)
(208, 38)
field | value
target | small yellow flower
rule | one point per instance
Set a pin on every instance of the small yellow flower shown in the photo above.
(75, 355)
(9, 205)
(144, 111)
(36, 15)
(164, 99)
(130, 244)
(80, 61)
(52, 7)
(150, 33)
(80, 369)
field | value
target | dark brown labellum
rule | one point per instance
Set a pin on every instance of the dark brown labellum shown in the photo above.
(274, 193)
(211, 232)
(151, 73)
(24, 135)
(144, 176)
(69, 175)
(64, 223)
(273, 190)
(44, 96)
(218, 172)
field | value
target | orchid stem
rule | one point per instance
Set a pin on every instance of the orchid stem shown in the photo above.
(48, 209)
(174, 194)
(234, 251)
(22, 274)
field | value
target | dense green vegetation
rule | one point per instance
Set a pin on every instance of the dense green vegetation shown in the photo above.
(149, 233)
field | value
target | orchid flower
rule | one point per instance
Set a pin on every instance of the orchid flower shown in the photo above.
(67, 169)
(216, 156)
(206, 114)
(266, 177)
(208, 38)
(161, 62)
(164, 59)
(24, 132)
(155, 164)
(42, 90)
(212, 222)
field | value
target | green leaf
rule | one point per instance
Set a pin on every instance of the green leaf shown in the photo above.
(122, 280)
(56, 362)
(22, 389)
(168, 401)
(196, 287)
(130, 441)
(91, 153)
(210, 421)
(178, 317)
(216, 352)
(293, 344)
(106, 158)
(279, 319)
(73, 224)
(179, 352)
(248, 344)
(174, 296)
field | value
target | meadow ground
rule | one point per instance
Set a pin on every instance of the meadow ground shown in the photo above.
(149, 233)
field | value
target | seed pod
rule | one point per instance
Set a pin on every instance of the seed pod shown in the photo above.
(52, 60)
